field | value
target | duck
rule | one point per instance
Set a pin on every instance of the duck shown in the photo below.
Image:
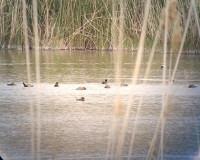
(80, 99)
(27, 85)
(107, 86)
(11, 84)
(172, 80)
(192, 86)
(56, 84)
(81, 88)
(124, 84)
(105, 82)
(163, 66)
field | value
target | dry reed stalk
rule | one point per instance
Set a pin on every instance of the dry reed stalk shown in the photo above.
(118, 105)
(25, 33)
(169, 87)
(118, 55)
(166, 30)
(167, 109)
(37, 58)
(182, 41)
(146, 75)
(153, 152)
(160, 124)
(134, 79)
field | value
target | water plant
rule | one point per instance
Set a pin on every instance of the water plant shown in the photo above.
(87, 24)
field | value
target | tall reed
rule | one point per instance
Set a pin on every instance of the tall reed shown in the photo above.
(86, 24)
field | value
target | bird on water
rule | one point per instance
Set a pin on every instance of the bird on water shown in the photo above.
(56, 84)
(80, 99)
(27, 85)
(105, 82)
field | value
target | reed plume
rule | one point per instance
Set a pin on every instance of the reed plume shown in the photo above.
(171, 13)
(172, 10)
(176, 36)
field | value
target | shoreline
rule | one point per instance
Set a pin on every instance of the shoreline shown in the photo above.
(47, 48)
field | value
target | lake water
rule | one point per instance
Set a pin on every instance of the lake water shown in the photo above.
(80, 130)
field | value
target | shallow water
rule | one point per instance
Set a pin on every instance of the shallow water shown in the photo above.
(80, 130)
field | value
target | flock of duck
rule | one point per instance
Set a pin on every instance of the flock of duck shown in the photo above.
(105, 82)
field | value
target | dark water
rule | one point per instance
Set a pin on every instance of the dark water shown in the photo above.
(80, 130)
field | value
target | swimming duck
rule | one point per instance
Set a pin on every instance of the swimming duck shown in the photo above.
(107, 86)
(163, 66)
(105, 82)
(81, 88)
(27, 85)
(124, 84)
(56, 84)
(172, 80)
(80, 99)
(192, 86)
(11, 84)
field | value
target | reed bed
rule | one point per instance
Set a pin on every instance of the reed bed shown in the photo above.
(86, 24)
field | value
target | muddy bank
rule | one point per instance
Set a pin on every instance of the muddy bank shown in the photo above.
(47, 48)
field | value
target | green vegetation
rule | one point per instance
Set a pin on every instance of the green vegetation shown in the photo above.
(86, 24)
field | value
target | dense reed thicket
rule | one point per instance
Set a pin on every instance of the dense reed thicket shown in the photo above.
(86, 24)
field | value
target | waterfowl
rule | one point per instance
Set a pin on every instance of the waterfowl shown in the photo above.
(163, 66)
(11, 84)
(81, 88)
(107, 86)
(27, 85)
(124, 84)
(56, 84)
(192, 86)
(80, 99)
(105, 82)
(172, 80)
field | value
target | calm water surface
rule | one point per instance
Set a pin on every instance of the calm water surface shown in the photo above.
(80, 130)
